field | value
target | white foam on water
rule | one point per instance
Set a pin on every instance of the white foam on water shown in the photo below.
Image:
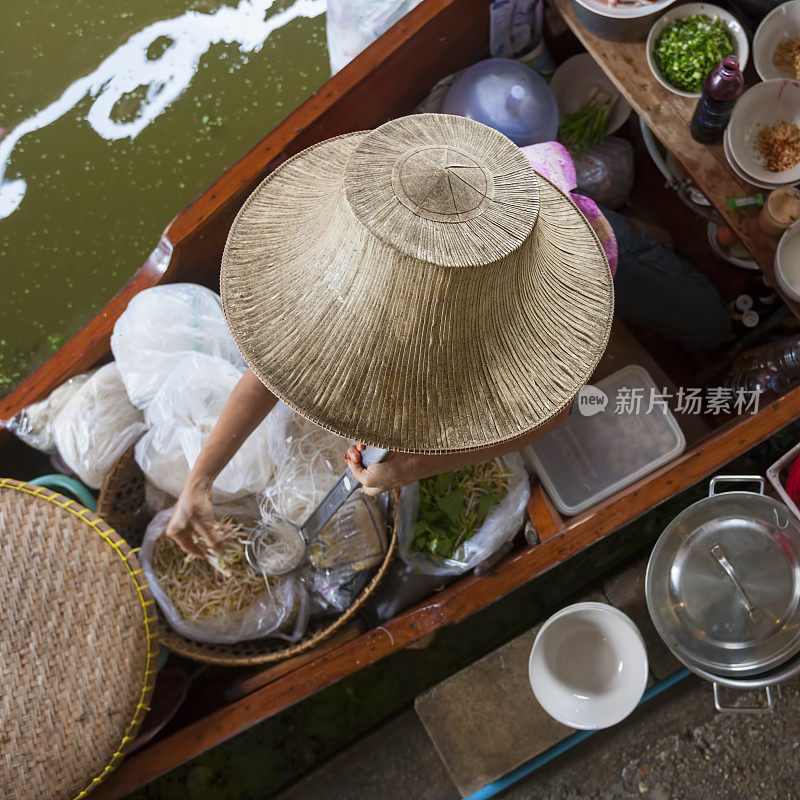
(166, 77)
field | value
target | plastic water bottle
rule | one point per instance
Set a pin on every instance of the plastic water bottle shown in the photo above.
(780, 355)
(507, 96)
(721, 88)
(764, 381)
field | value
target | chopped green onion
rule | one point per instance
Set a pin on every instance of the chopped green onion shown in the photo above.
(689, 48)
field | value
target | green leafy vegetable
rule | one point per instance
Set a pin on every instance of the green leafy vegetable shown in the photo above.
(689, 48)
(587, 125)
(454, 505)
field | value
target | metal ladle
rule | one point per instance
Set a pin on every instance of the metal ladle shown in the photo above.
(319, 517)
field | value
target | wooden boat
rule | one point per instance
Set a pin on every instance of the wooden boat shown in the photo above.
(387, 80)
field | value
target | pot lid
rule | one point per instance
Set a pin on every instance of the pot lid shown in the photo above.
(723, 584)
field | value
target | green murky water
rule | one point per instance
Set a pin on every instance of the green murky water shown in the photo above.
(116, 116)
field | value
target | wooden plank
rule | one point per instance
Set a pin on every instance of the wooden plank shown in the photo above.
(667, 115)
(547, 522)
(255, 678)
(454, 603)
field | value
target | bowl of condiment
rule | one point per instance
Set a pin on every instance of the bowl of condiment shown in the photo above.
(780, 211)
(763, 134)
(619, 20)
(588, 667)
(787, 262)
(686, 42)
(728, 246)
(776, 44)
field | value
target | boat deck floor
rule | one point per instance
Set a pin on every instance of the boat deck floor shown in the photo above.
(676, 745)
(360, 738)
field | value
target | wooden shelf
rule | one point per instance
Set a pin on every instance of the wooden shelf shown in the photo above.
(668, 115)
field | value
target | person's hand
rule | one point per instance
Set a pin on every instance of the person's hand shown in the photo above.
(393, 472)
(194, 516)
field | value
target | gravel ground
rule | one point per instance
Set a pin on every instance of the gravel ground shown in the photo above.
(678, 747)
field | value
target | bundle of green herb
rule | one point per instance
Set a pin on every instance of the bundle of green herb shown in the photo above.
(454, 505)
(587, 126)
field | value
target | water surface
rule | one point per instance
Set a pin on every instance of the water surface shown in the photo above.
(116, 116)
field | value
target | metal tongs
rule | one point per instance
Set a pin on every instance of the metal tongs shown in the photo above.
(329, 505)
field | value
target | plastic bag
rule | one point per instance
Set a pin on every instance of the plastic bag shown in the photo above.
(281, 612)
(353, 25)
(514, 25)
(346, 553)
(157, 329)
(501, 525)
(308, 461)
(180, 418)
(605, 172)
(33, 425)
(96, 426)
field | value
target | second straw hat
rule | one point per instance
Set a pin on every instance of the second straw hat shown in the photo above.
(417, 287)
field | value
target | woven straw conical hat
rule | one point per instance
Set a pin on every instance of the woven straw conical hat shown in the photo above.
(417, 287)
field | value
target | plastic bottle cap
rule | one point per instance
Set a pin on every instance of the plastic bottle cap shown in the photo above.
(516, 94)
(744, 302)
(750, 319)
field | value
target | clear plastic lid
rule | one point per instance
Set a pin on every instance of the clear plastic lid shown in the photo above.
(619, 430)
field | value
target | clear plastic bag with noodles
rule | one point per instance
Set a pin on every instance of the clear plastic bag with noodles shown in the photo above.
(180, 419)
(308, 461)
(96, 426)
(502, 523)
(33, 425)
(280, 610)
(157, 329)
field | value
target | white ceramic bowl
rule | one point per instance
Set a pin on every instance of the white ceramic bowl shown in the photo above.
(781, 23)
(764, 103)
(737, 168)
(738, 36)
(724, 253)
(588, 666)
(787, 262)
(574, 80)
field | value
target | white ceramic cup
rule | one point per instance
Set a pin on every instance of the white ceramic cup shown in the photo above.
(588, 666)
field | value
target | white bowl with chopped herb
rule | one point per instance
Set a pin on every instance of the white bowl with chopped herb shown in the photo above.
(690, 40)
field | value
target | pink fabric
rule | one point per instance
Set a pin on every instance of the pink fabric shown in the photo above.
(553, 161)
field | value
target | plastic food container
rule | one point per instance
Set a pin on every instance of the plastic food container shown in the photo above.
(596, 453)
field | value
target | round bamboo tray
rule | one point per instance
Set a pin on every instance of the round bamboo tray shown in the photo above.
(78, 645)
(126, 481)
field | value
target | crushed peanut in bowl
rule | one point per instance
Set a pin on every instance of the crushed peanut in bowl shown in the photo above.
(778, 144)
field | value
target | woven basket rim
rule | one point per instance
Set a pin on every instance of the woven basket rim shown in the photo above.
(146, 601)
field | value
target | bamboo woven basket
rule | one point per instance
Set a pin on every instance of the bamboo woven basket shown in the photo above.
(121, 499)
(78, 646)
(126, 481)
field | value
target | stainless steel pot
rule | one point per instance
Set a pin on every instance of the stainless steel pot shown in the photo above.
(620, 23)
(723, 587)
(781, 674)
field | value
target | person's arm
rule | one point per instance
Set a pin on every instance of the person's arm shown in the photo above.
(249, 403)
(400, 469)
